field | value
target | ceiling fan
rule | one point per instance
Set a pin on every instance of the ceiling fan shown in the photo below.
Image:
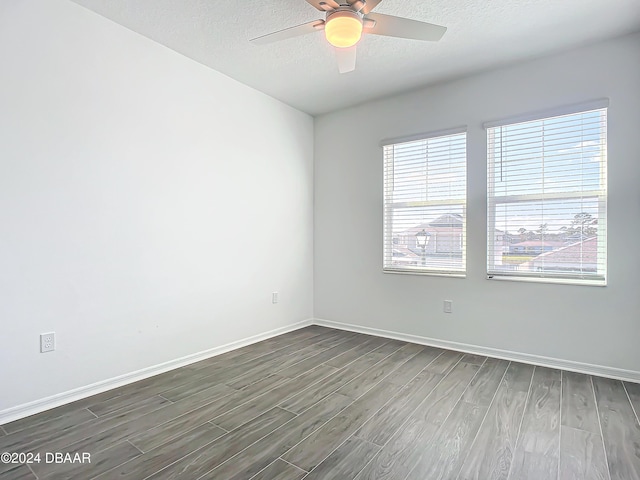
(346, 22)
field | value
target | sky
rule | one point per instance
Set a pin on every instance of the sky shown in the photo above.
(558, 157)
(521, 156)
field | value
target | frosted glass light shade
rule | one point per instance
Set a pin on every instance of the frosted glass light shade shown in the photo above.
(343, 29)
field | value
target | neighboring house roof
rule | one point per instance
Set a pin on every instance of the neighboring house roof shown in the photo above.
(432, 230)
(447, 223)
(448, 220)
(585, 252)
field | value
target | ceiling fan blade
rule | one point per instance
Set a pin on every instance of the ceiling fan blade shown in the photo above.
(369, 5)
(324, 5)
(391, 26)
(346, 59)
(290, 32)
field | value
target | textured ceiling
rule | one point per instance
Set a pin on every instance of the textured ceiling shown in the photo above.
(302, 71)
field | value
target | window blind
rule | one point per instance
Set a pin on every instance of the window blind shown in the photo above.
(425, 205)
(547, 199)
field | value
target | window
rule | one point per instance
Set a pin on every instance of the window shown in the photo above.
(425, 205)
(547, 199)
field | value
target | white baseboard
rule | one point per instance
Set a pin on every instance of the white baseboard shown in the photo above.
(37, 406)
(590, 369)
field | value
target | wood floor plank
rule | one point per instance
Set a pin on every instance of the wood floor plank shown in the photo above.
(450, 446)
(147, 437)
(119, 403)
(362, 383)
(335, 338)
(100, 463)
(386, 422)
(382, 352)
(346, 358)
(322, 357)
(52, 427)
(313, 394)
(317, 446)
(280, 470)
(582, 455)
(249, 410)
(578, 403)
(536, 454)
(438, 405)
(60, 414)
(170, 431)
(105, 437)
(346, 461)
(205, 379)
(205, 459)
(415, 365)
(491, 454)
(265, 451)
(56, 441)
(473, 359)
(620, 429)
(159, 458)
(256, 374)
(519, 376)
(535, 466)
(215, 390)
(444, 363)
(633, 389)
(16, 472)
(404, 450)
(201, 380)
(102, 434)
(483, 387)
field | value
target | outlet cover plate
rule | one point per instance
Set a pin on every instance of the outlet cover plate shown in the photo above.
(447, 306)
(47, 342)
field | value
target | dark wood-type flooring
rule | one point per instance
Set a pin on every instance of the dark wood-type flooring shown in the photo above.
(319, 403)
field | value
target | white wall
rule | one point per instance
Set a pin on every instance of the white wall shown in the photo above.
(148, 205)
(593, 325)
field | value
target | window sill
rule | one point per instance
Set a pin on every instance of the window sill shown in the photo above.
(557, 281)
(426, 273)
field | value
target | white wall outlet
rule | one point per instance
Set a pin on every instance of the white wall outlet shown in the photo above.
(448, 304)
(47, 342)
(274, 297)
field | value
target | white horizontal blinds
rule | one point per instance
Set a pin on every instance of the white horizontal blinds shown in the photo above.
(425, 192)
(547, 198)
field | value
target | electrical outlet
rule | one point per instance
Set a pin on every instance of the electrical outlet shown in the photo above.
(447, 306)
(274, 297)
(47, 342)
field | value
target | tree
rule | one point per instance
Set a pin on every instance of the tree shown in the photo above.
(522, 232)
(543, 229)
(584, 224)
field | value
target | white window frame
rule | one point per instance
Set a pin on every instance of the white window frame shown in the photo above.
(598, 279)
(389, 206)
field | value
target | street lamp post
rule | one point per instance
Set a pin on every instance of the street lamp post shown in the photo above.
(422, 240)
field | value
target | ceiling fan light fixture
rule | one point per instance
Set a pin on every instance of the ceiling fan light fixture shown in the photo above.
(343, 29)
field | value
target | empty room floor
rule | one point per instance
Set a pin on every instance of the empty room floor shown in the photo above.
(319, 403)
